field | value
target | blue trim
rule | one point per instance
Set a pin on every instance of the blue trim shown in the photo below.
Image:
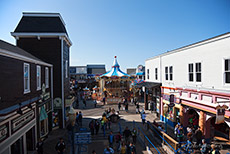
(140, 73)
(15, 107)
(169, 122)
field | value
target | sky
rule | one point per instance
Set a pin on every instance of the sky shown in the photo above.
(132, 30)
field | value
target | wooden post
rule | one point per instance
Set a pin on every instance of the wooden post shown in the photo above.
(181, 114)
(201, 121)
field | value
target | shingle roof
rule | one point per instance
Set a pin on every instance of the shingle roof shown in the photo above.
(36, 24)
(12, 48)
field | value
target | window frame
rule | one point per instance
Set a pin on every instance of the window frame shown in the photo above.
(47, 77)
(191, 73)
(38, 85)
(200, 72)
(156, 73)
(147, 73)
(28, 81)
(170, 72)
(226, 71)
(166, 73)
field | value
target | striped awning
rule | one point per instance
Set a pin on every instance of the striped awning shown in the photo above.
(115, 71)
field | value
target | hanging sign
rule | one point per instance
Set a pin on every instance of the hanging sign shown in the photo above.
(220, 112)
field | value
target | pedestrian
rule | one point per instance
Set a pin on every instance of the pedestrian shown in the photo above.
(111, 139)
(118, 141)
(126, 106)
(180, 134)
(104, 100)
(95, 103)
(80, 116)
(77, 119)
(123, 148)
(127, 133)
(119, 105)
(91, 127)
(97, 126)
(39, 146)
(198, 135)
(108, 150)
(84, 102)
(134, 135)
(204, 148)
(214, 149)
(60, 146)
(131, 149)
(143, 116)
(94, 152)
(137, 108)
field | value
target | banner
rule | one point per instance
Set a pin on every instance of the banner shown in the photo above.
(220, 112)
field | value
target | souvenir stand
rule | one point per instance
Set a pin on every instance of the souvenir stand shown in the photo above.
(115, 84)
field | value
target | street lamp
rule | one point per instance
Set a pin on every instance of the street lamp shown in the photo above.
(72, 117)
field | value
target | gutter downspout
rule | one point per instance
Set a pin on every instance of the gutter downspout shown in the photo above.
(62, 86)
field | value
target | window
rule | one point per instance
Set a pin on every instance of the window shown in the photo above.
(38, 77)
(166, 73)
(156, 75)
(47, 77)
(66, 69)
(227, 71)
(171, 73)
(198, 72)
(190, 72)
(147, 73)
(26, 78)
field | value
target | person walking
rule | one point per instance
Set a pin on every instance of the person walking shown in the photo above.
(143, 116)
(127, 133)
(204, 148)
(134, 135)
(108, 150)
(118, 141)
(39, 146)
(84, 102)
(97, 126)
(91, 127)
(198, 135)
(104, 100)
(60, 146)
(95, 103)
(80, 116)
(111, 139)
(123, 148)
(137, 108)
(131, 149)
(119, 105)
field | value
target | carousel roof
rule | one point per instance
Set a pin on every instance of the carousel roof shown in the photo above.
(115, 71)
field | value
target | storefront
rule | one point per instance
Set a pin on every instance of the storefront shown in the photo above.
(17, 133)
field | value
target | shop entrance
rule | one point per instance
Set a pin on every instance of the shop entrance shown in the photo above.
(30, 140)
(193, 119)
(218, 130)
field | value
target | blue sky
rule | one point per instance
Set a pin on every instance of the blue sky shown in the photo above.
(133, 30)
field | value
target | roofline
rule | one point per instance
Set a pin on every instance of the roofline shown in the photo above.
(193, 45)
(10, 54)
(17, 35)
(42, 14)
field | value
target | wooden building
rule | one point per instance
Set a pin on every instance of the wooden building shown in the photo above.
(44, 35)
(25, 98)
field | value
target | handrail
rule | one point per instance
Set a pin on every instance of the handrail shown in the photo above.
(146, 137)
(181, 148)
(160, 135)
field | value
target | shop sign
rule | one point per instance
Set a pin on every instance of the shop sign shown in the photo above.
(83, 138)
(4, 132)
(220, 112)
(22, 120)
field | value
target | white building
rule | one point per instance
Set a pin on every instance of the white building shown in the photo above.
(198, 75)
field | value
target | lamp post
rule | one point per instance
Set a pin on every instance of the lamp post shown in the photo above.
(72, 116)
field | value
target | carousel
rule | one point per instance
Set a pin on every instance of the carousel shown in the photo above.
(115, 84)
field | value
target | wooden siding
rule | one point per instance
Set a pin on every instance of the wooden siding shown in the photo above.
(48, 50)
(12, 82)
